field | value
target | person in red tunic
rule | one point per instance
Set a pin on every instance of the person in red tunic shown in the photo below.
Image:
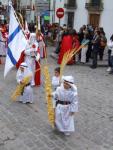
(66, 45)
(31, 55)
(76, 42)
(75, 45)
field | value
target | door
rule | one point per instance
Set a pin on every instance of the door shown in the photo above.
(94, 19)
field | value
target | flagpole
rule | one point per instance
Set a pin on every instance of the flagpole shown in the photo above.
(10, 5)
(19, 23)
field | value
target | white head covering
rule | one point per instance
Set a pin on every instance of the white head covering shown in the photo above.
(22, 74)
(70, 81)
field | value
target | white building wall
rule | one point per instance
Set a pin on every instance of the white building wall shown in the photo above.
(81, 15)
(51, 12)
(106, 20)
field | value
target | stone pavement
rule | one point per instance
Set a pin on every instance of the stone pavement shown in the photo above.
(26, 127)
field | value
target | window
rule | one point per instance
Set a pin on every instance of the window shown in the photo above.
(96, 2)
(71, 2)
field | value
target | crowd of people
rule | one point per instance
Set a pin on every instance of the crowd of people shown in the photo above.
(68, 39)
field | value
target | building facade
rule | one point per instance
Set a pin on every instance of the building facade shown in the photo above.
(80, 12)
(29, 8)
(3, 10)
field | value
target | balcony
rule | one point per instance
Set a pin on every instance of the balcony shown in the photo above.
(70, 6)
(94, 6)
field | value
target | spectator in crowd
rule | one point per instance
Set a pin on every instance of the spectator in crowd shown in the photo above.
(110, 55)
(96, 46)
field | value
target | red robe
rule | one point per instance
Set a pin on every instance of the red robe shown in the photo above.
(66, 45)
(37, 74)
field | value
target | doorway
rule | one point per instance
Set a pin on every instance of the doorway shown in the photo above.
(94, 20)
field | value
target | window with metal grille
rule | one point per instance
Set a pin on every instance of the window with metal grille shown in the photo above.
(71, 2)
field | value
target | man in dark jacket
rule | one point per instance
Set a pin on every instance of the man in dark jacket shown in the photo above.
(95, 49)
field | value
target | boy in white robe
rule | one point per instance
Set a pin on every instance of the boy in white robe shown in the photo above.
(56, 81)
(56, 78)
(66, 105)
(27, 93)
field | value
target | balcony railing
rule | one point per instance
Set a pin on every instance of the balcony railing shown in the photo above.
(94, 6)
(70, 6)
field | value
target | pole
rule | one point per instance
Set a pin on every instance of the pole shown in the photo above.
(59, 22)
(54, 3)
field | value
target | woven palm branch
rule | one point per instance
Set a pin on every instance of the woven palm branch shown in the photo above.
(20, 88)
(48, 91)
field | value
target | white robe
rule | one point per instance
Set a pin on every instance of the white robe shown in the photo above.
(31, 61)
(64, 122)
(55, 84)
(83, 54)
(27, 95)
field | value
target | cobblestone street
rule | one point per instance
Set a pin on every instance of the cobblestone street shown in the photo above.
(26, 127)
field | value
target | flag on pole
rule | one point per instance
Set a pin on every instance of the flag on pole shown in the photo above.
(16, 42)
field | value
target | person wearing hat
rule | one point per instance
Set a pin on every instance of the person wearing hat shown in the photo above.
(31, 55)
(27, 93)
(66, 98)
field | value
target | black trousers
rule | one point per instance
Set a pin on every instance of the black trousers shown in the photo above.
(95, 55)
(101, 52)
(109, 58)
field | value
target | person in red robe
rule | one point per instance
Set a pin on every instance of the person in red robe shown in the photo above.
(66, 45)
(76, 42)
(31, 55)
